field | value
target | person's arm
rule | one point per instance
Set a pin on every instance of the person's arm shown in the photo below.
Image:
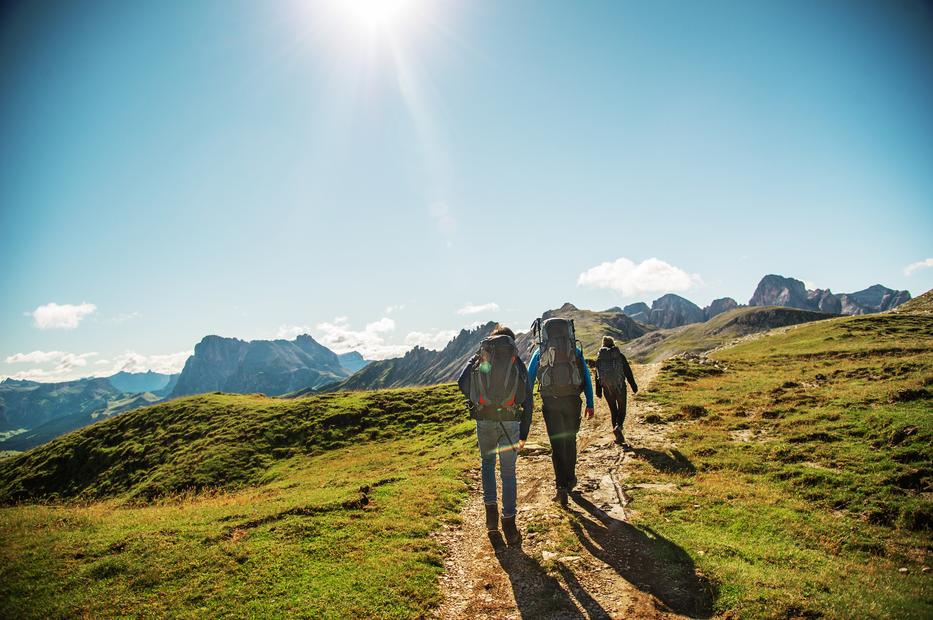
(629, 375)
(587, 380)
(466, 377)
(533, 370)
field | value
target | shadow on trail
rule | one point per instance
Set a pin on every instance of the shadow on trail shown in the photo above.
(673, 462)
(645, 559)
(538, 594)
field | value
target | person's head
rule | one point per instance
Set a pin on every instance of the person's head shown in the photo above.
(502, 330)
(608, 342)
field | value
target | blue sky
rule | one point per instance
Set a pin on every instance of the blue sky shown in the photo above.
(254, 169)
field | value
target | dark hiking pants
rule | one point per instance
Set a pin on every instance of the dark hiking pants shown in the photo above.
(562, 419)
(615, 398)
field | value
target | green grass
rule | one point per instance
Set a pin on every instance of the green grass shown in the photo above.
(284, 511)
(811, 469)
(718, 331)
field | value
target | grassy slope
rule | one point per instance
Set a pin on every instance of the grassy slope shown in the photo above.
(808, 472)
(327, 509)
(718, 331)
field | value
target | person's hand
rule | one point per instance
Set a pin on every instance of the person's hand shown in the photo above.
(589, 413)
(521, 444)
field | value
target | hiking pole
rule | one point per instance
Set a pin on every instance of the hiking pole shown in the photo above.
(507, 436)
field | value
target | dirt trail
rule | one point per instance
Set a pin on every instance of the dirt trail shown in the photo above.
(620, 572)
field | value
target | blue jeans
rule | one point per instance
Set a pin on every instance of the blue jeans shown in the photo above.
(500, 438)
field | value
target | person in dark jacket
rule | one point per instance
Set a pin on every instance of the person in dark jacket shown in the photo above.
(613, 387)
(501, 433)
(562, 419)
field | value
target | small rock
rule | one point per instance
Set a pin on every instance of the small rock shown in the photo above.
(571, 558)
(902, 570)
(925, 569)
(701, 553)
(547, 556)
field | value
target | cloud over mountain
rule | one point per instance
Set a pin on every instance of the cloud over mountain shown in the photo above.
(630, 278)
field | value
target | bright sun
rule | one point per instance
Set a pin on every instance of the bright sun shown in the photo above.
(380, 14)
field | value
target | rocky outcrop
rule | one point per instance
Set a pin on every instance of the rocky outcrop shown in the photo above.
(419, 366)
(775, 290)
(272, 367)
(718, 306)
(875, 298)
(638, 312)
(673, 311)
(352, 361)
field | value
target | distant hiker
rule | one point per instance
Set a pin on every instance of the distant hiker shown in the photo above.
(559, 367)
(612, 371)
(495, 381)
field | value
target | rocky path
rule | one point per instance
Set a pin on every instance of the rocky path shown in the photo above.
(615, 570)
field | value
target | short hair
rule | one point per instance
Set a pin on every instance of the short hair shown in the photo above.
(608, 342)
(501, 329)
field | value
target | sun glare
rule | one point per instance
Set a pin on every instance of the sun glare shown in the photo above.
(379, 14)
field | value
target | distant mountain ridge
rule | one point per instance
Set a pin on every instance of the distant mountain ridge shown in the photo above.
(419, 366)
(135, 382)
(272, 367)
(775, 290)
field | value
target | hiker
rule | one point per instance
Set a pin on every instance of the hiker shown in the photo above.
(559, 367)
(495, 381)
(612, 371)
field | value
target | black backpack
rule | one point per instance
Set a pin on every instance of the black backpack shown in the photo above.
(559, 371)
(497, 380)
(609, 366)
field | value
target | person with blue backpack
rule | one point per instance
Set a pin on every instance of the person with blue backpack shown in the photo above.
(560, 369)
(495, 382)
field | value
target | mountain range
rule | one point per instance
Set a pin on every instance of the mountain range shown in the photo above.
(273, 367)
(33, 412)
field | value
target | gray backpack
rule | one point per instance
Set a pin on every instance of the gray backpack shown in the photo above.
(559, 371)
(497, 381)
(609, 366)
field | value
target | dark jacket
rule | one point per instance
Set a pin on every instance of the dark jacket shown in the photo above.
(626, 369)
(466, 379)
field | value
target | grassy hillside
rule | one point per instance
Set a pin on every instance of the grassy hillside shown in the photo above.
(804, 469)
(720, 330)
(222, 505)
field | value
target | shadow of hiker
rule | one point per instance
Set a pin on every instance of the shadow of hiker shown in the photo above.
(645, 559)
(538, 594)
(673, 462)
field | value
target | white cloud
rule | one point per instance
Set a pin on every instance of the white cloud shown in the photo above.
(478, 308)
(65, 363)
(70, 366)
(810, 285)
(630, 278)
(395, 308)
(443, 218)
(64, 316)
(340, 337)
(923, 264)
(435, 340)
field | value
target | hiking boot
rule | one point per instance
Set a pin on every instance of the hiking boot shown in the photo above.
(512, 536)
(492, 517)
(561, 497)
(620, 438)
